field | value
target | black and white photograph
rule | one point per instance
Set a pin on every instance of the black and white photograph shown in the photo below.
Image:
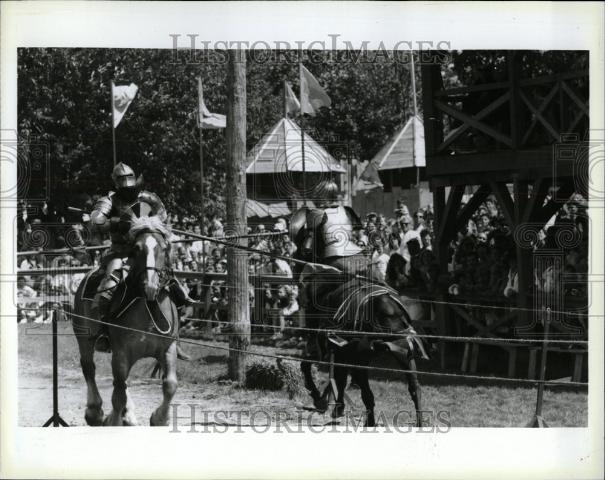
(315, 239)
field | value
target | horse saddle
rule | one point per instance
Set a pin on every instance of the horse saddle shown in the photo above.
(120, 294)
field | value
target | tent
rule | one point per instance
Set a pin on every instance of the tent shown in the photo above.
(256, 209)
(368, 180)
(405, 149)
(280, 151)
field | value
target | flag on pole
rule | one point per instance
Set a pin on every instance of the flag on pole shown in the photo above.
(123, 96)
(312, 96)
(370, 175)
(206, 119)
(292, 103)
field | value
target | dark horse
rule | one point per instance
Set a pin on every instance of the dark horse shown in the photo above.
(144, 323)
(373, 314)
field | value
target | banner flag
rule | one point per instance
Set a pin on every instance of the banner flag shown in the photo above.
(206, 119)
(312, 95)
(292, 103)
(123, 96)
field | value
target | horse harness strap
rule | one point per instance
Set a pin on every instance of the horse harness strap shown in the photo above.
(413, 341)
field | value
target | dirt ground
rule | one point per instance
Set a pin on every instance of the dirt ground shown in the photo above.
(204, 391)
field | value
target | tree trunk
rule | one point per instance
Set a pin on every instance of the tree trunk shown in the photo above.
(237, 260)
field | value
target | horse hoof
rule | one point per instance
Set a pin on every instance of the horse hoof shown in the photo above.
(154, 422)
(321, 405)
(338, 411)
(370, 420)
(129, 420)
(110, 420)
(94, 417)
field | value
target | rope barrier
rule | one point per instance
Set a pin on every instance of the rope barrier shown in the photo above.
(345, 365)
(277, 279)
(418, 335)
(231, 237)
(64, 250)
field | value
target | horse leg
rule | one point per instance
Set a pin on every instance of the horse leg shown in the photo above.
(319, 402)
(409, 363)
(360, 376)
(120, 367)
(340, 379)
(169, 385)
(312, 351)
(94, 402)
(129, 418)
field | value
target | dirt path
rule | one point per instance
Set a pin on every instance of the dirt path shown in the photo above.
(202, 385)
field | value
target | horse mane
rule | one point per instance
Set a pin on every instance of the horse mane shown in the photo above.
(149, 224)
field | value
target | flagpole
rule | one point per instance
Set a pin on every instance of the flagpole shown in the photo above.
(285, 100)
(302, 138)
(413, 75)
(113, 128)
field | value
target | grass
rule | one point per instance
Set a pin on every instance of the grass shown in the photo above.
(202, 382)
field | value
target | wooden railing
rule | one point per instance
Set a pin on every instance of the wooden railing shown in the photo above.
(515, 114)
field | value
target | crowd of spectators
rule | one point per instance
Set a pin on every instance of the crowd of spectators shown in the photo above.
(481, 258)
(279, 302)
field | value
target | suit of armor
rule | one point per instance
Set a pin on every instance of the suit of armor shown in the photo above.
(112, 214)
(330, 238)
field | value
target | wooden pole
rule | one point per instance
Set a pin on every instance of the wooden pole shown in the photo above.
(237, 260)
(413, 75)
(113, 128)
(413, 78)
(199, 119)
(201, 100)
(302, 139)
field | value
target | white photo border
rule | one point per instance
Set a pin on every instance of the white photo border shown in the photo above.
(79, 452)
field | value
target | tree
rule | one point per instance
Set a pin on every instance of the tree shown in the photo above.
(64, 103)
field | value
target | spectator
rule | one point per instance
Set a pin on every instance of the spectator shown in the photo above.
(407, 234)
(28, 309)
(426, 240)
(380, 261)
(418, 221)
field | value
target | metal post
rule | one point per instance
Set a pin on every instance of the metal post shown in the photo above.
(56, 419)
(538, 421)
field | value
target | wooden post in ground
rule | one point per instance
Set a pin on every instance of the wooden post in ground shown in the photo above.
(237, 260)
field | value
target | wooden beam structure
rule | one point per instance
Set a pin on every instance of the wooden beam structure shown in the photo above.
(503, 144)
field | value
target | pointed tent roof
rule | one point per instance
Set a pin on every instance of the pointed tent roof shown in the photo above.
(281, 151)
(254, 208)
(368, 180)
(405, 149)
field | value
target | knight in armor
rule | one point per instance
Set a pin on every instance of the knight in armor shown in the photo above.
(337, 225)
(113, 213)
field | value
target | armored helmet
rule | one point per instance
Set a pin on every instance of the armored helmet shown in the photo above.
(123, 176)
(327, 190)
